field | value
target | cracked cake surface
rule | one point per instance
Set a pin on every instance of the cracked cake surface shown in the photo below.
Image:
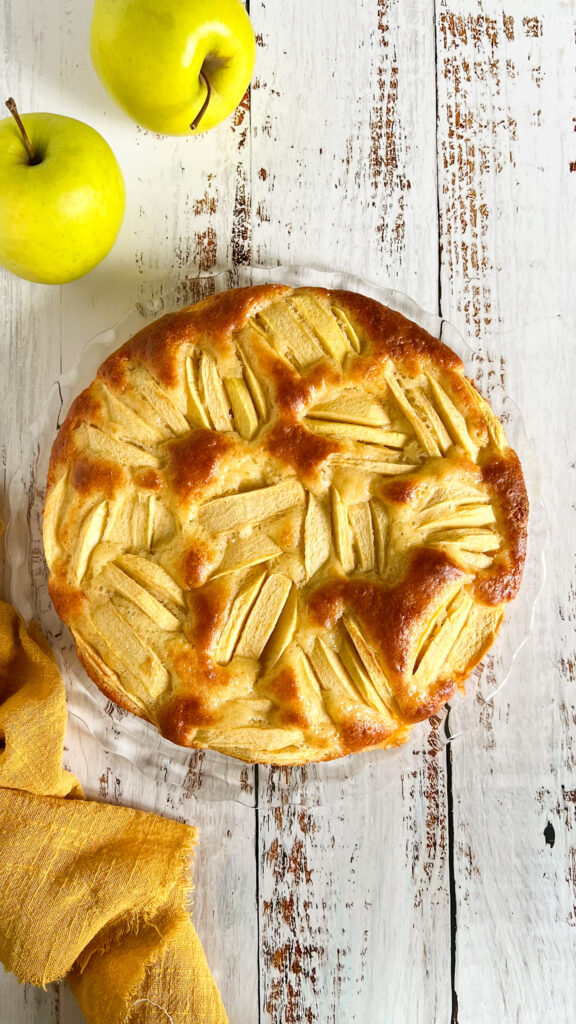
(283, 524)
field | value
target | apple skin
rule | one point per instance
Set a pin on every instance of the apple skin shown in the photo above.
(58, 217)
(149, 54)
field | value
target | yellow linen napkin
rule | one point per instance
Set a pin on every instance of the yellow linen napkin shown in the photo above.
(92, 893)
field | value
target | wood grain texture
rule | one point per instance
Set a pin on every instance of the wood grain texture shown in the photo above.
(349, 888)
(350, 182)
(430, 146)
(507, 201)
(179, 221)
(343, 140)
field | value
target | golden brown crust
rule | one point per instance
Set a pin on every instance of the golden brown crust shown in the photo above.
(393, 337)
(90, 477)
(503, 476)
(389, 614)
(297, 449)
(148, 479)
(283, 524)
(69, 602)
(193, 462)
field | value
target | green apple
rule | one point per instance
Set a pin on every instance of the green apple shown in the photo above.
(62, 197)
(175, 66)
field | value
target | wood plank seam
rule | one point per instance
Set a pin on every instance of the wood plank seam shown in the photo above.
(448, 755)
(257, 856)
(451, 873)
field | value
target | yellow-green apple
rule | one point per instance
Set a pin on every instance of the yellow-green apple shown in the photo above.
(62, 197)
(175, 66)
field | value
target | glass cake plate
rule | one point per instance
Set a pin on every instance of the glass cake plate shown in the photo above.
(138, 745)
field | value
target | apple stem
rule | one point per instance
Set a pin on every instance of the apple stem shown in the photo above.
(202, 110)
(10, 103)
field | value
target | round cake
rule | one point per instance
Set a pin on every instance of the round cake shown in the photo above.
(283, 524)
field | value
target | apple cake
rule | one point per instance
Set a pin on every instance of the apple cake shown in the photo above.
(283, 524)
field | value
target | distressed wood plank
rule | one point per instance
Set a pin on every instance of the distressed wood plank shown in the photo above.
(333, 163)
(186, 213)
(505, 146)
(344, 162)
(25, 1004)
(514, 777)
(351, 890)
(507, 203)
(345, 178)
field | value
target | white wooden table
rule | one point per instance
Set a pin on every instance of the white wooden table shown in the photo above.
(429, 145)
